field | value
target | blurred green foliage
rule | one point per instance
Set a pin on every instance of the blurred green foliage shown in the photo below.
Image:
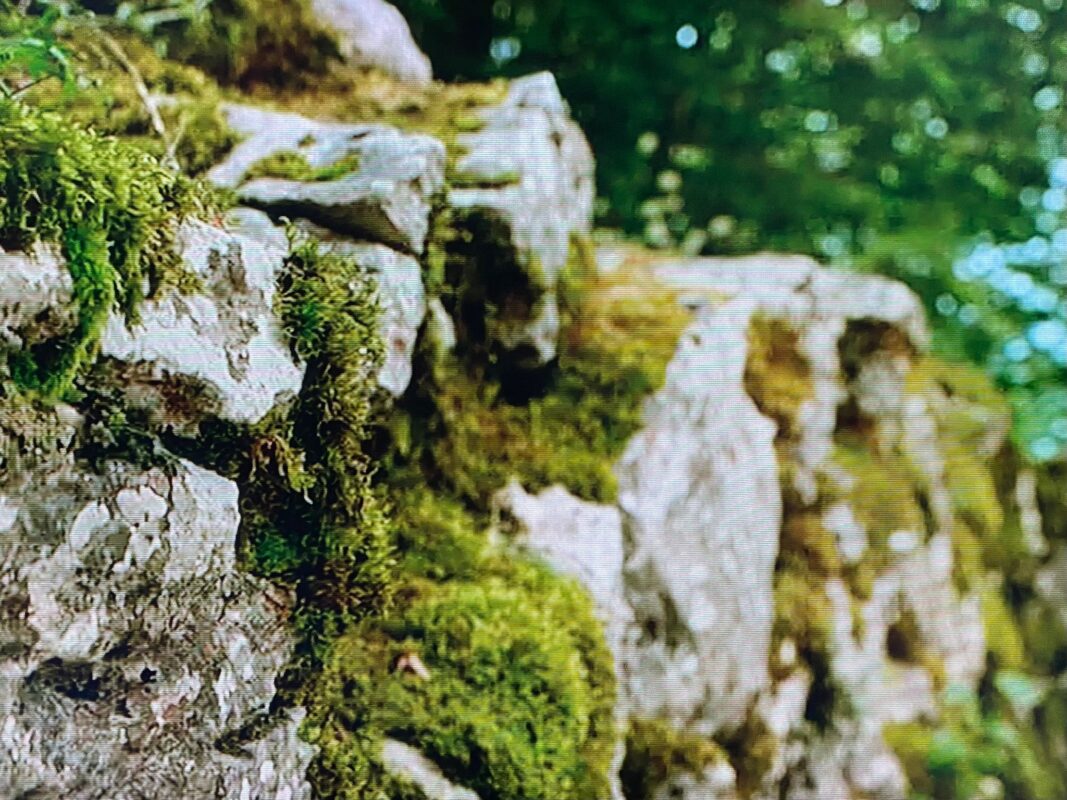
(923, 139)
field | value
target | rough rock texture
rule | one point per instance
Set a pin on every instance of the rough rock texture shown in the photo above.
(222, 344)
(385, 197)
(752, 590)
(35, 295)
(689, 600)
(530, 170)
(113, 683)
(373, 33)
(699, 491)
(818, 303)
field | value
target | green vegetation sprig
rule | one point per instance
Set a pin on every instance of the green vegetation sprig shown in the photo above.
(113, 210)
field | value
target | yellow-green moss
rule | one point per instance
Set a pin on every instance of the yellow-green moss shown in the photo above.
(884, 495)
(1004, 639)
(277, 42)
(777, 376)
(353, 94)
(618, 335)
(655, 751)
(517, 703)
(113, 209)
(752, 750)
(294, 166)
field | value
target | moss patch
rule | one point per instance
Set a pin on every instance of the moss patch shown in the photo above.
(516, 701)
(243, 41)
(655, 751)
(107, 101)
(295, 167)
(444, 111)
(619, 334)
(777, 376)
(113, 209)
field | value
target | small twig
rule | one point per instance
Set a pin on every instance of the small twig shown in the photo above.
(171, 156)
(116, 51)
(27, 87)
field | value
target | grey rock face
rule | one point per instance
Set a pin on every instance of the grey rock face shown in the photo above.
(135, 643)
(702, 506)
(223, 343)
(373, 33)
(818, 303)
(531, 171)
(35, 296)
(386, 196)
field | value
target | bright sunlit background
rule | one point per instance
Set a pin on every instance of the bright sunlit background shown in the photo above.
(922, 139)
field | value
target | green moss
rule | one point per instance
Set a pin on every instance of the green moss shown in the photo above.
(655, 751)
(464, 179)
(517, 703)
(973, 742)
(884, 494)
(752, 750)
(777, 376)
(295, 167)
(1003, 635)
(466, 422)
(328, 304)
(1045, 636)
(354, 94)
(112, 208)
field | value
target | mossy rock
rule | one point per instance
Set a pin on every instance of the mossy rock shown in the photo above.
(777, 375)
(516, 701)
(114, 210)
(655, 752)
(886, 495)
(566, 424)
(241, 41)
(295, 167)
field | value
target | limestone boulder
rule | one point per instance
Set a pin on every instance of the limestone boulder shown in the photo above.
(132, 643)
(217, 350)
(699, 492)
(382, 192)
(372, 33)
(528, 176)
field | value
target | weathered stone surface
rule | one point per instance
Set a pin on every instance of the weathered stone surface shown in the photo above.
(401, 295)
(35, 296)
(530, 170)
(373, 33)
(818, 303)
(131, 641)
(216, 351)
(411, 765)
(699, 491)
(386, 197)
